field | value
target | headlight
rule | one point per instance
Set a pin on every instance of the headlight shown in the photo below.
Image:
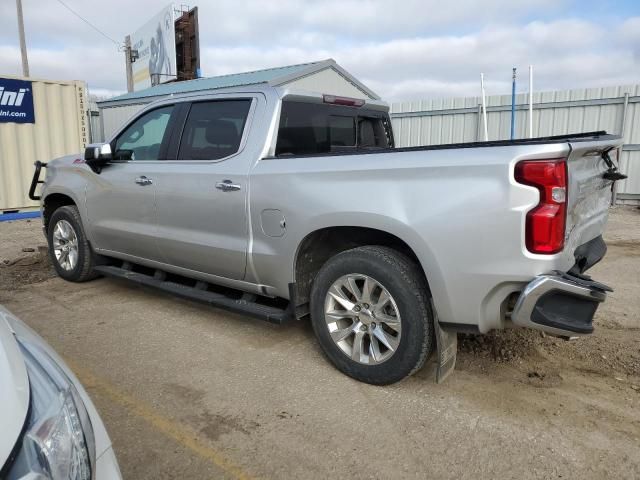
(57, 442)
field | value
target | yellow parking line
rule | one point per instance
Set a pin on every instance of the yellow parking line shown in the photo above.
(185, 437)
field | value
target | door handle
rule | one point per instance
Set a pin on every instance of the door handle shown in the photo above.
(227, 186)
(143, 181)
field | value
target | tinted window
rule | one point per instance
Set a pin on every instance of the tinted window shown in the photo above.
(372, 132)
(342, 131)
(213, 129)
(143, 138)
(309, 128)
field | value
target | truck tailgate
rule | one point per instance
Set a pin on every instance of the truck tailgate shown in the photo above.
(589, 193)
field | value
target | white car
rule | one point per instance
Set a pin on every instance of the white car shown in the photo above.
(49, 427)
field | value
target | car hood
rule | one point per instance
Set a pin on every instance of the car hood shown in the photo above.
(14, 388)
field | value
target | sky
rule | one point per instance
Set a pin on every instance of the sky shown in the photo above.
(401, 49)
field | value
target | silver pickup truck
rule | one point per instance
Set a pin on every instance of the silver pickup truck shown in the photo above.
(286, 204)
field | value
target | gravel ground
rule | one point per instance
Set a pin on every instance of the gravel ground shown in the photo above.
(188, 391)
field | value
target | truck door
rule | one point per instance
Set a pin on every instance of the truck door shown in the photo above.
(121, 199)
(202, 194)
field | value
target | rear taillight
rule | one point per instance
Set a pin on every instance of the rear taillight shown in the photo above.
(546, 223)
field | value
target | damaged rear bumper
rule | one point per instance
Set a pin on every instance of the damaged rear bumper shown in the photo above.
(560, 303)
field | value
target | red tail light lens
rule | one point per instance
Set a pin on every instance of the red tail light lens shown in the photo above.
(546, 223)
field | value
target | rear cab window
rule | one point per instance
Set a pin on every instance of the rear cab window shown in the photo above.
(213, 129)
(318, 128)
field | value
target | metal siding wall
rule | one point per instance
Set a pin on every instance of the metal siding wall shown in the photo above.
(328, 81)
(630, 159)
(96, 128)
(60, 128)
(419, 123)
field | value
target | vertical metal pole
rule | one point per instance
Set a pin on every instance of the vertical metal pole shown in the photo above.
(101, 118)
(127, 56)
(484, 109)
(530, 101)
(479, 122)
(23, 42)
(89, 122)
(513, 104)
(614, 190)
(624, 114)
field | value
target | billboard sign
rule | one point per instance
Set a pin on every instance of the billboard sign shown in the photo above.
(188, 45)
(155, 44)
(16, 101)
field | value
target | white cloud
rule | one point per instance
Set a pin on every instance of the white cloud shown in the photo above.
(72, 63)
(403, 50)
(565, 54)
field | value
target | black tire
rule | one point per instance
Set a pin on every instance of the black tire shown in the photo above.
(406, 284)
(87, 259)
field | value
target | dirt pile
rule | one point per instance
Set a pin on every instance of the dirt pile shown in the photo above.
(608, 352)
(30, 267)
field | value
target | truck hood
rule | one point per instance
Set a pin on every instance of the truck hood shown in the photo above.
(14, 388)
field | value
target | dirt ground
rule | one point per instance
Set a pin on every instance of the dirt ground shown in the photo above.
(187, 391)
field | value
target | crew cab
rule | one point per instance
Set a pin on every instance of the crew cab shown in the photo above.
(287, 204)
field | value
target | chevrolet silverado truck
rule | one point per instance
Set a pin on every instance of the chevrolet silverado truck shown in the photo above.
(285, 204)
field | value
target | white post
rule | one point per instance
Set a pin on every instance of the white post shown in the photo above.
(530, 101)
(484, 109)
(23, 42)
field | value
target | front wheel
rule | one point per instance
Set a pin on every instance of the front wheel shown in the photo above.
(371, 313)
(69, 249)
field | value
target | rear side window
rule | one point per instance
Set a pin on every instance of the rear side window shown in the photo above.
(213, 130)
(312, 128)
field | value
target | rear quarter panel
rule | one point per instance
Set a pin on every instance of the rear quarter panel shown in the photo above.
(458, 209)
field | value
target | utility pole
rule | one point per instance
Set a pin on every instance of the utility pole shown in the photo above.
(23, 43)
(127, 56)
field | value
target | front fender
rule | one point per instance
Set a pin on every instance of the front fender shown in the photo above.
(67, 176)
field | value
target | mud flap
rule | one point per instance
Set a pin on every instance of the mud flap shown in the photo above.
(447, 349)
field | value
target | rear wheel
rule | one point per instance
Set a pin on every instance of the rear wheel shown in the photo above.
(371, 314)
(69, 249)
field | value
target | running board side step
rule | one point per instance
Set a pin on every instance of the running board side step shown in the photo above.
(245, 305)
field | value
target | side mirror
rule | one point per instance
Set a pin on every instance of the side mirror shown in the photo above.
(97, 155)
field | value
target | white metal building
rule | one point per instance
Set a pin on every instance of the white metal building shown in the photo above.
(456, 120)
(325, 76)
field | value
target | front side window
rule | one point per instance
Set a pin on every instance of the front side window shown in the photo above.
(311, 128)
(214, 129)
(143, 138)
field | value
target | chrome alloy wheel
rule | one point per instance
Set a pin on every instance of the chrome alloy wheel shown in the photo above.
(65, 245)
(362, 318)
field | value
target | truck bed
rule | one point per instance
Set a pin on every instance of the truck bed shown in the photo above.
(572, 137)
